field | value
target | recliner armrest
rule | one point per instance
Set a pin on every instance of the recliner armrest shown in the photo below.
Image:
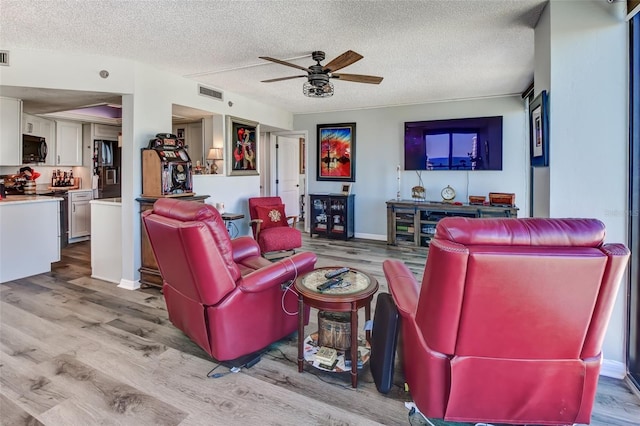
(402, 285)
(277, 273)
(244, 247)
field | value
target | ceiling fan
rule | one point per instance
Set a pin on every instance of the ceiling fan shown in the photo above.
(318, 84)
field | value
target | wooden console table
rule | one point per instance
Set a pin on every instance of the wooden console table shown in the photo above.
(413, 223)
(149, 273)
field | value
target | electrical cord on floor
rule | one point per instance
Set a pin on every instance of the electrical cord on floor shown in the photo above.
(287, 288)
(232, 229)
(218, 375)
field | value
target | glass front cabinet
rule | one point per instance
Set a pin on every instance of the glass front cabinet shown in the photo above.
(331, 215)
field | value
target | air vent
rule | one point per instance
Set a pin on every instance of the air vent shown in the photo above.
(4, 57)
(206, 91)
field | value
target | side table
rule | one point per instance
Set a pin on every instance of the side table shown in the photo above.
(228, 220)
(356, 295)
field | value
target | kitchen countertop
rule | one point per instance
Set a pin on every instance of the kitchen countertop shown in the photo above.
(25, 199)
(106, 201)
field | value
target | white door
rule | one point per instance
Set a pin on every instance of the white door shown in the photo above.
(288, 173)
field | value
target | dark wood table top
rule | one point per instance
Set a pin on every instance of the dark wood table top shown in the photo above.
(231, 216)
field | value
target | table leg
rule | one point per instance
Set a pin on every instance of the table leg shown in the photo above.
(354, 345)
(300, 333)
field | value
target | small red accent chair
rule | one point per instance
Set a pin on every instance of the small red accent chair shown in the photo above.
(220, 292)
(272, 228)
(508, 324)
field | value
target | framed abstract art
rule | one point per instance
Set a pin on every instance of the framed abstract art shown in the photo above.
(242, 146)
(336, 152)
(539, 130)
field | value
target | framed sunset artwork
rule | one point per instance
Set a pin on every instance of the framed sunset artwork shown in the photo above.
(336, 152)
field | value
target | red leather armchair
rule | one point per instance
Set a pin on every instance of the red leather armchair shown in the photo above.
(508, 324)
(221, 292)
(271, 227)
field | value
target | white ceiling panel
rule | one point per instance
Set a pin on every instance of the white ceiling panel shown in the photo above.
(425, 50)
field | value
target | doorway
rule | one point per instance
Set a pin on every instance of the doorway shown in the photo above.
(194, 126)
(288, 175)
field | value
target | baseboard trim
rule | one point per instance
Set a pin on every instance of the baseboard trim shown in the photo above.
(129, 285)
(375, 237)
(614, 369)
(109, 280)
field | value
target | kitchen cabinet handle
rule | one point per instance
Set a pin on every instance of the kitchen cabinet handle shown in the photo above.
(74, 208)
(58, 158)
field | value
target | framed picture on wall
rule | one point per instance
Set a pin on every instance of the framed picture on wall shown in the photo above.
(539, 130)
(303, 166)
(242, 144)
(336, 152)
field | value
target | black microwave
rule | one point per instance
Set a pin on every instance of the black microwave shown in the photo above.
(34, 149)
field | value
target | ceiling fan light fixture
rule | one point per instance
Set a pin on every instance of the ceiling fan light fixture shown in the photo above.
(317, 90)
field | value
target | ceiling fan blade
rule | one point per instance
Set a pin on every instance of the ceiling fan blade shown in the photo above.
(358, 78)
(347, 58)
(282, 78)
(289, 64)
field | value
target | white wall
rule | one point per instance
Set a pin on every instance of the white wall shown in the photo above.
(380, 148)
(588, 98)
(233, 191)
(540, 179)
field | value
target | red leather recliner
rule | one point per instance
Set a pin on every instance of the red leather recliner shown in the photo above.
(221, 292)
(278, 237)
(508, 324)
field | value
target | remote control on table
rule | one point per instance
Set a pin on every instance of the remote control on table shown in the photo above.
(336, 272)
(328, 284)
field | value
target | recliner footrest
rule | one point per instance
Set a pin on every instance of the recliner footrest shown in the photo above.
(384, 339)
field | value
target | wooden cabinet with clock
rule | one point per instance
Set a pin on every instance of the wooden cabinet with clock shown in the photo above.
(414, 223)
(149, 272)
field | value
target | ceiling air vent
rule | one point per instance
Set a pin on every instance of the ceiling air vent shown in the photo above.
(206, 91)
(4, 57)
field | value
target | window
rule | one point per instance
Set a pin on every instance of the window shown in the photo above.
(452, 151)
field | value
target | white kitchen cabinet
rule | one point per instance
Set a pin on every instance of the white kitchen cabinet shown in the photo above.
(68, 143)
(80, 215)
(106, 239)
(36, 222)
(10, 132)
(44, 128)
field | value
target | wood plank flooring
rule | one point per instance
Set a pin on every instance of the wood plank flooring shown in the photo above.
(80, 351)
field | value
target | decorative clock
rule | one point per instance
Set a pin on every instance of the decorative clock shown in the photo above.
(448, 194)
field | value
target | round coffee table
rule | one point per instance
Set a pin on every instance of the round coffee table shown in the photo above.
(357, 293)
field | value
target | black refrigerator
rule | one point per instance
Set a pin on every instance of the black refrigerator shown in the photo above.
(107, 160)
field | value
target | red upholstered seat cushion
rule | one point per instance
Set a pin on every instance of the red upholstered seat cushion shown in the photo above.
(271, 216)
(276, 239)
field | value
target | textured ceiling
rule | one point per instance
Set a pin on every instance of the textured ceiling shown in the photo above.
(425, 50)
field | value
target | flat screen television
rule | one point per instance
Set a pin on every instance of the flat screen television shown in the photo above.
(456, 144)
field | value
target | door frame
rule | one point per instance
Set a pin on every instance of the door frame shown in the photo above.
(273, 166)
(633, 295)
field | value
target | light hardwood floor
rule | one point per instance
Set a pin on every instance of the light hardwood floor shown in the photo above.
(80, 351)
